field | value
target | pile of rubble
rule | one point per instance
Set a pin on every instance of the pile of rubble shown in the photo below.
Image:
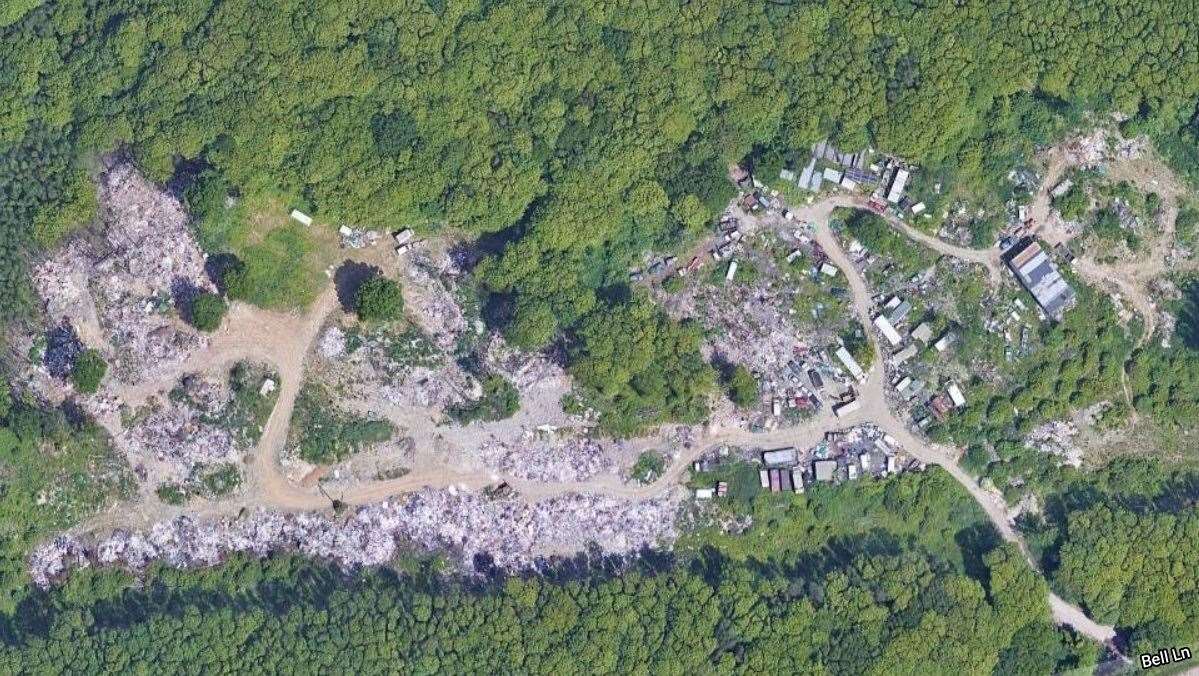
(371, 371)
(332, 343)
(748, 323)
(428, 388)
(434, 305)
(512, 533)
(523, 369)
(1093, 149)
(537, 458)
(1057, 438)
(116, 290)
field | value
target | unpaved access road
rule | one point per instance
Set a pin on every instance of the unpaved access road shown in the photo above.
(284, 340)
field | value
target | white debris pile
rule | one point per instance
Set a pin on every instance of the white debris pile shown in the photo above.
(1094, 148)
(745, 323)
(149, 230)
(180, 432)
(538, 458)
(433, 303)
(402, 369)
(524, 369)
(332, 343)
(1057, 438)
(55, 558)
(513, 533)
(62, 283)
(424, 387)
(122, 284)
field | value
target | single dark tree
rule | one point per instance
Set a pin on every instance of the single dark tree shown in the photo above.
(88, 371)
(742, 387)
(208, 311)
(380, 299)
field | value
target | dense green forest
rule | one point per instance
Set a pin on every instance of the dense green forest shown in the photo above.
(875, 595)
(1122, 541)
(573, 135)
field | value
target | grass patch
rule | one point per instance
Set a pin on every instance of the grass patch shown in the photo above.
(905, 258)
(741, 476)
(172, 493)
(323, 434)
(247, 411)
(274, 273)
(280, 262)
(247, 414)
(411, 348)
(206, 481)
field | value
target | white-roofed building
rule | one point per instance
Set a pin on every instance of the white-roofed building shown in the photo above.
(955, 395)
(884, 327)
(898, 185)
(851, 364)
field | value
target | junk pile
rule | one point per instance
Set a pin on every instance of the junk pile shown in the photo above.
(513, 534)
(181, 432)
(434, 304)
(523, 369)
(117, 290)
(1057, 438)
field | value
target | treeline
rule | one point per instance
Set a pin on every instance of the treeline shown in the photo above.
(579, 134)
(872, 594)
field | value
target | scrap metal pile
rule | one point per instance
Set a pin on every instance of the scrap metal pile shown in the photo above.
(753, 322)
(512, 533)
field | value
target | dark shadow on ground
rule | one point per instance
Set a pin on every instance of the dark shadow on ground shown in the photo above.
(350, 277)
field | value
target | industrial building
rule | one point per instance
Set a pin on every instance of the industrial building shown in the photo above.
(780, 456)
(1033, 267)
(851, 364)
(885, 327)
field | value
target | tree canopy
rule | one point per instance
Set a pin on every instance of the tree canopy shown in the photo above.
(379, 299)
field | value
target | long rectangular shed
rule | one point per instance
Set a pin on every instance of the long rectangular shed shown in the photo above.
(851, 364)
(780, 456)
